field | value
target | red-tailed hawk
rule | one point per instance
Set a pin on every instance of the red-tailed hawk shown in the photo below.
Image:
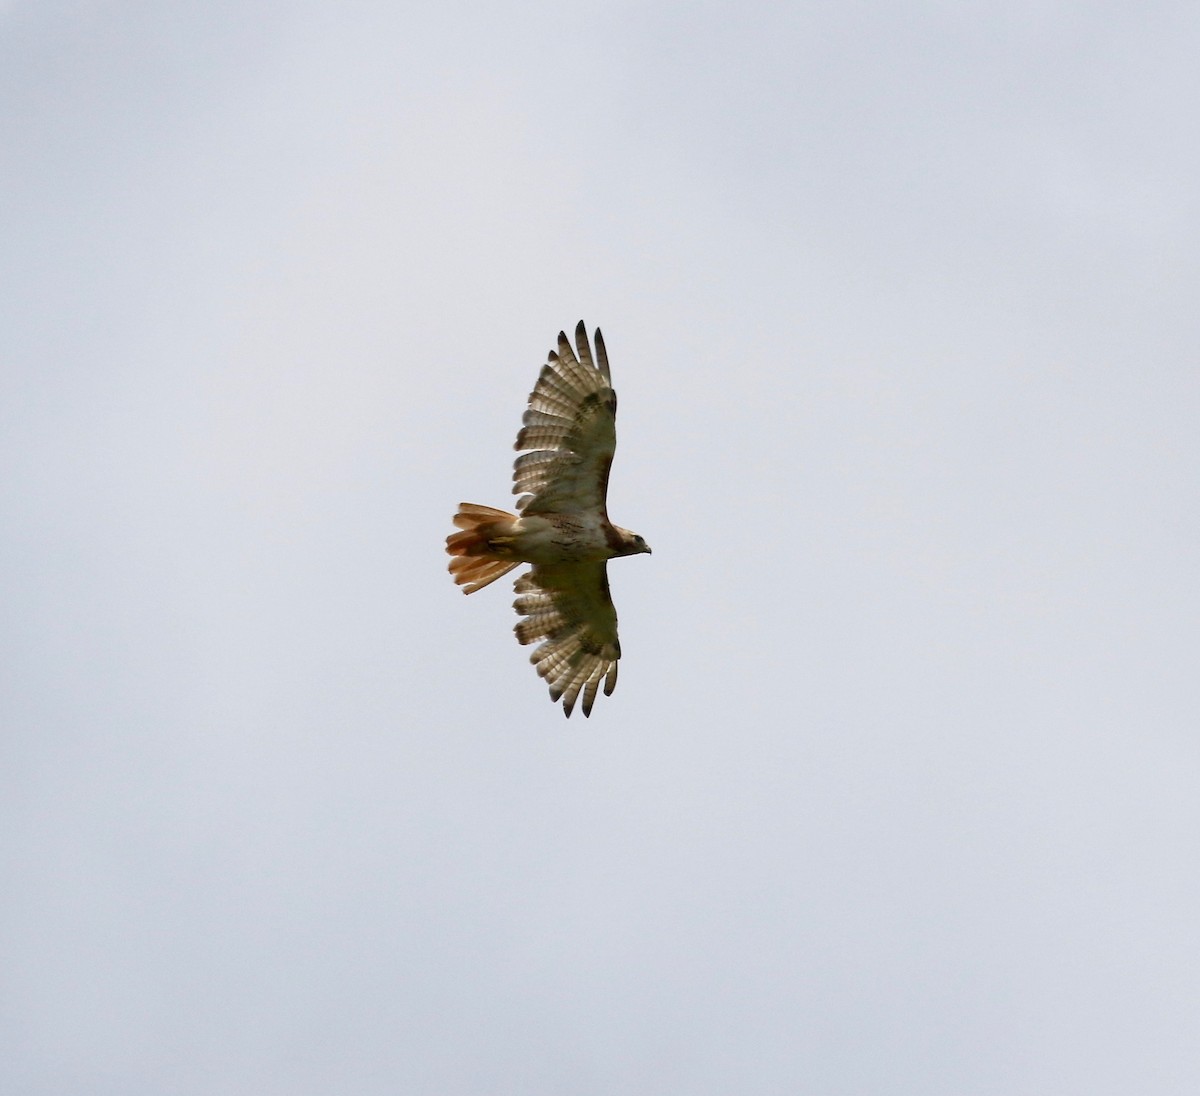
(563, 528)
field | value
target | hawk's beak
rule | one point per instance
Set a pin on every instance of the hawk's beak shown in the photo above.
(649, 552)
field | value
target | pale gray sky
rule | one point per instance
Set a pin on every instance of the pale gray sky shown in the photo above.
(899, 790)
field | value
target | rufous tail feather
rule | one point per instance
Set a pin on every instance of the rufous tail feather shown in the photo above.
(476, 562)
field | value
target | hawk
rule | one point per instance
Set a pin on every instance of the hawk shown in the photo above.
(568, 438)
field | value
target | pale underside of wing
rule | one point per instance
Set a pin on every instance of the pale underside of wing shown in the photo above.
(568, 610)
(570, 430)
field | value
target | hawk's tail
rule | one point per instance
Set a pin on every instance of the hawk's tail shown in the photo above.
(476, 560)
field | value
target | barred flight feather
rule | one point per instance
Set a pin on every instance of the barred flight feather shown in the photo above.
(569, 378)
(558, 400)
(553, 387)
(565, 377)
(544, 437)
(546, 418)
(571, 371)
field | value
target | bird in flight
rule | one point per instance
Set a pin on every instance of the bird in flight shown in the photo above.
(567, 442)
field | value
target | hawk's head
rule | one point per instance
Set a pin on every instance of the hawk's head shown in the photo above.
(631, 543)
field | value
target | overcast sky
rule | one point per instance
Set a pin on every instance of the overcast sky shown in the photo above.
(900, 789)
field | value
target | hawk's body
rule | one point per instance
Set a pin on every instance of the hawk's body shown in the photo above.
(563, 527)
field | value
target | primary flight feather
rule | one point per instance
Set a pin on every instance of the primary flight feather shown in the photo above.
(568, 437)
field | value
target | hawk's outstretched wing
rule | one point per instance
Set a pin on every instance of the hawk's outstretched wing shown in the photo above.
(567, 606)
(570, 427)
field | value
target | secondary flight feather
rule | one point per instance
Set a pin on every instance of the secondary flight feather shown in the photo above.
(567, 438)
